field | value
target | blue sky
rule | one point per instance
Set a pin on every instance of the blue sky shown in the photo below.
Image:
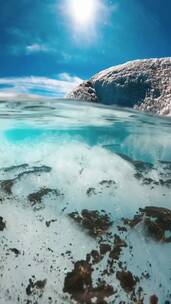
(43, 48)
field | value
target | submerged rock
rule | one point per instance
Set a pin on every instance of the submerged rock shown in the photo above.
(140, 166)
(126, 279)
(142, 84)
(154, 299)
(79, 279)
(93, 221)
(15, 251)
(48, 223)
(156, 222)
(100, 187)
(34, 170)
(15, 167)
(6, 185)
(91, 191)
(36, 197)
(2, 224)
(35, 287)
(104, 248)
(78, 284)
(94, 257)
(119, 244)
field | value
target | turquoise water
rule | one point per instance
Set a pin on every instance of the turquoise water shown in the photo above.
(74, 147)
(140, 136)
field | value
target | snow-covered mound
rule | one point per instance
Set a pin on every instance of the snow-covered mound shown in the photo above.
(142, 84)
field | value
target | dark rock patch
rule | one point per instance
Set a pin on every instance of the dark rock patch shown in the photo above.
(119, 244)
(153, 230)
(36, 197)
(12, 168)
(140, 166)
(166, 183)
(94, 257)
(150, 181)
(7, 185)
(127, 280)
(2, 224)
(78, 284)
(166, 165)
(104, 184)
(33, 287)
(104, 248)
(15, 251)
(101, 292)
(48, 223)
(107, 183)
(79, 279)
(122, 229)
(156, 222)
(91, 191)
(154, 299)
(133, 222)
(34, 170)
(93, 221)
(143, 168)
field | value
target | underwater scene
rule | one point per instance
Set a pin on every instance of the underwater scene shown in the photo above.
(85, 204)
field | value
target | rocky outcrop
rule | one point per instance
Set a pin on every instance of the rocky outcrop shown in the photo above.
(141, 84)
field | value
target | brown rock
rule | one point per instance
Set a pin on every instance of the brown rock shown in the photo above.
(2, 224)
(156, 222)
(79, 279)
(104, 248)
(126, 279)
(35, 286)
(7, 185)
(78, 284)
(93, 221)
(117, 249)
(154, 299)
(36, 197)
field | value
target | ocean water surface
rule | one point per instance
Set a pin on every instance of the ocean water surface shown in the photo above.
(85, 200)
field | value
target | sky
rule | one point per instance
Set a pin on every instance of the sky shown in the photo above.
(49, 46)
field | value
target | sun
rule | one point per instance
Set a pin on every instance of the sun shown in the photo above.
(83, 11)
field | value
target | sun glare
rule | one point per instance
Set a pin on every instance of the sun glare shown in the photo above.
(83, 11)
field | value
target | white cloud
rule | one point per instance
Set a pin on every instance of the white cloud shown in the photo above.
(34, 86)
(36, 48)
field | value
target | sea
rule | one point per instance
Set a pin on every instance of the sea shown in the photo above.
(73, 177)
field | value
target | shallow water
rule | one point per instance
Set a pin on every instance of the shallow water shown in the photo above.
(86, 155)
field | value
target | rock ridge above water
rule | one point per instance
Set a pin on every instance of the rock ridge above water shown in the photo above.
(141, 84)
